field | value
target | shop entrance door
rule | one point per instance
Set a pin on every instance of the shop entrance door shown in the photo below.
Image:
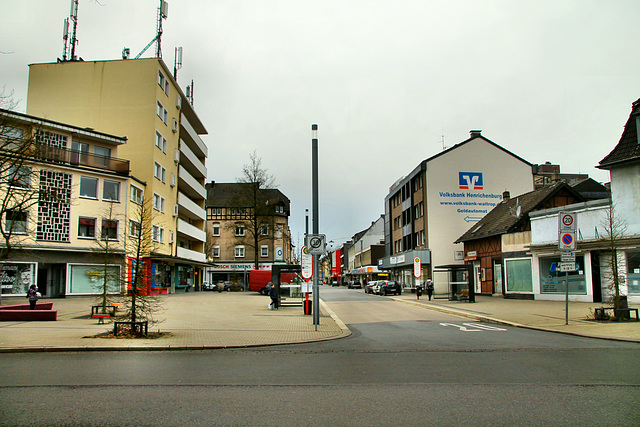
(477, 278)
(497, 278)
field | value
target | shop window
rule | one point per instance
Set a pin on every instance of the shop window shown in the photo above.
(553, 281)
(633, 271)
(519, 275)
(89, 279)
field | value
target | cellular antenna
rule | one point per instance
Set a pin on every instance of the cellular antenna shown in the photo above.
(177, 62)
(69, 50)
(163, 13)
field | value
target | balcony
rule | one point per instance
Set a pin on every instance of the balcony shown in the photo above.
(64, 156)
(197, 144)
(189, 185)
(189, 208)
(194, 233)
(191, 255)
(189, 160)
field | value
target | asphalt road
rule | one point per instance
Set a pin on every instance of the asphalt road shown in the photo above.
(403, 365)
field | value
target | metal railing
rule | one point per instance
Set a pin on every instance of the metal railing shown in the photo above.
(77, 158)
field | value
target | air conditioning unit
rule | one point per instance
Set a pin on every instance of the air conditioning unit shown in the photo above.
(174, 126)
(173, 180)
(177, 158)
(175, 209)
(179, 102)
(171, 238)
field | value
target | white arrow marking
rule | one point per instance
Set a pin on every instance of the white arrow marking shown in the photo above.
(485, 327)
(462, 328)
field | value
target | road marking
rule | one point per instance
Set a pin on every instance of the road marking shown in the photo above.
(469, 327)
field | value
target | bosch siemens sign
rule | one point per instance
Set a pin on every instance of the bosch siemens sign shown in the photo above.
(470, 181)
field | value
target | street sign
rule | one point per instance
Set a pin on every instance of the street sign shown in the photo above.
(567, 241)
(306, 264)
(316, 243)
(567, 221)
(566, 256)
(567, 266)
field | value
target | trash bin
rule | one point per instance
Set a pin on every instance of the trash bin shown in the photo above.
(308, 306)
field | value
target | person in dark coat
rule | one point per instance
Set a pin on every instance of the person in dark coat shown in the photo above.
(274, 297)
(429, 288)
(32, 294)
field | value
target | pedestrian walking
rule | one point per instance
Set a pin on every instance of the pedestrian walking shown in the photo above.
(274, 297)
(32, 294)
(429, 288)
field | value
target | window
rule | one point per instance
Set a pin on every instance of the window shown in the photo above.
(136, 195)
(215, 229)
(519, 276)
(264, 251)
(239, 230)
(215, 251)
(86, 228)
(264, 230)
(280, 209)
(88, 187)
(19, 177)
(161, 142)
(157, 233)
(80, 152)
(158, 202)
(159, 172)
(109, 229)
(163, 82)
(102, 151)
(239, 251)
(633, 271)
(162, 113)
(111, 190)
(11, 133)
(16, 221)
(279, 231)
(134, 229)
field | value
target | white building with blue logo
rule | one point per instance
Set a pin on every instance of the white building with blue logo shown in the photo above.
(427, 210)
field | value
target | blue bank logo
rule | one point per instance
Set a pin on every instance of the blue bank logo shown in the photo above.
(470, 180)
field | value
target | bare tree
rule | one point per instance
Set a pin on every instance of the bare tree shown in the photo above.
(110, 256)
(139, 304)
(256, 214)
(20, 175)
(614, 231)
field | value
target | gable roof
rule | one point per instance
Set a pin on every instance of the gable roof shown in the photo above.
(628, 148)
(226, 195)
(504, 217)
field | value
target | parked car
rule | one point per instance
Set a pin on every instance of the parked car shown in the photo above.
(387, 287)
(354, 285)
(335, 283)
(368, 289)
(206, 286)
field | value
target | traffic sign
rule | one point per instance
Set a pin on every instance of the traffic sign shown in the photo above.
(567, 266)
(567, 241)
(316, 243)
(566, 256)
(567, 221)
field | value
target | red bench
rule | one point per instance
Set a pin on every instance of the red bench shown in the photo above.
(43, 311)
(101, 317)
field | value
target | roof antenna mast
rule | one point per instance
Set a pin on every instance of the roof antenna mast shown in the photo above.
(163, 13)
(69, 51)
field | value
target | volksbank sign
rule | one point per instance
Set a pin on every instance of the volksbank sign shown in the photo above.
(473, 201)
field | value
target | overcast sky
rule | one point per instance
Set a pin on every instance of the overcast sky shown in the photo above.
(386, 81)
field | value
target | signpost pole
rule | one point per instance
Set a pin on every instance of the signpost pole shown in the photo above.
(316, 227)
(566, 298)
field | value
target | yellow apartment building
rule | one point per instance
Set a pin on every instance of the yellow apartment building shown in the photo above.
(139, 98)
(63, 200)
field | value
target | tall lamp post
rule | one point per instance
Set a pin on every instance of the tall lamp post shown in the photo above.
(316, 219)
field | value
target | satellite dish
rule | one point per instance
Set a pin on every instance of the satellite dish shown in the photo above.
(518, 211)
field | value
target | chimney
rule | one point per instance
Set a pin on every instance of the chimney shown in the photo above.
(475, 133)
(506, 196)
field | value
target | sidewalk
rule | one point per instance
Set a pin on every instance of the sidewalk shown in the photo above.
(540, 315)
(198, 320)
(208, 320)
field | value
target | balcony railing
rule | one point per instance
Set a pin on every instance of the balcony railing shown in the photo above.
(77, 158)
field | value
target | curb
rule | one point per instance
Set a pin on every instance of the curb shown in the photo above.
(495, 321)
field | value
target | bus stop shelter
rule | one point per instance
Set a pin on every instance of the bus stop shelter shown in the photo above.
(460, 278)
